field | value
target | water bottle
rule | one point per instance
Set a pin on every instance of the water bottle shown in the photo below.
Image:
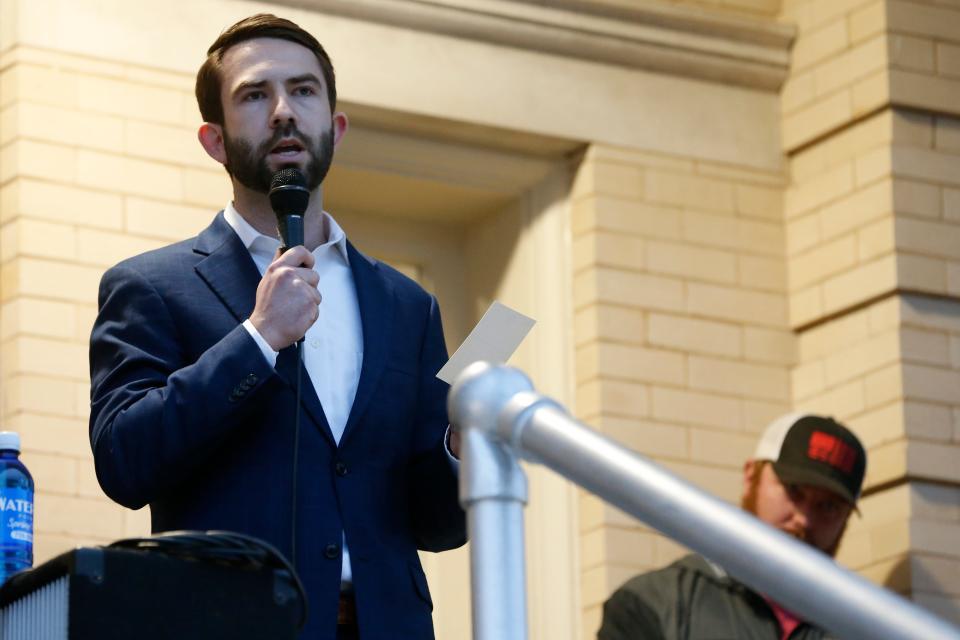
(16, 508)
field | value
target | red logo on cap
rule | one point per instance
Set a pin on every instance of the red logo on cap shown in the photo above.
(832, 450)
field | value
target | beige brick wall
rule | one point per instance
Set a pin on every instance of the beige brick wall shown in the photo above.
(98, 162)
(906, 540)
(839, 221)
(855, 57)
(888, 372)
(924, 44)
(870, 118)
(683, 350)
(926, 168)
(838, 66)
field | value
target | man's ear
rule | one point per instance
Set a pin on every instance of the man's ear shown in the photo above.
(340, 126)
(210, 136)
(749, 468)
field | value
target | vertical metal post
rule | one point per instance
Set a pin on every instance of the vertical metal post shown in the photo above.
(493, 491)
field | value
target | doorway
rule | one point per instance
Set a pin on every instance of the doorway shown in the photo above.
(476, 215)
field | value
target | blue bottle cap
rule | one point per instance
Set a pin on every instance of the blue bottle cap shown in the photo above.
(10, 441)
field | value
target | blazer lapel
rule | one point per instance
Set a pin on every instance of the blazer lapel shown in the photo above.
(375, 298)
(229, 270)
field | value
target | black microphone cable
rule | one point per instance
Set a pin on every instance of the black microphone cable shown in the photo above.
(296, 455)
(289, 197)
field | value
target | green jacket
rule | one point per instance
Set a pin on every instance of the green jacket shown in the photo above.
(692, 599)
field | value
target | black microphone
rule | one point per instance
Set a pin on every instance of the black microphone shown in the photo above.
(289, 197)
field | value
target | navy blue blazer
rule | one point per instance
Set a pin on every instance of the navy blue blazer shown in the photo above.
(188, 417)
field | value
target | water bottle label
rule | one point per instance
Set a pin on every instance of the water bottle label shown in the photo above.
(16, 517)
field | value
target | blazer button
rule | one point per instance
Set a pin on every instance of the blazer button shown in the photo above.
(251, 379)
(340, 468)
(331, 551)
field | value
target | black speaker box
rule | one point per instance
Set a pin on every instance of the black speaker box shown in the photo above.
(124, 594)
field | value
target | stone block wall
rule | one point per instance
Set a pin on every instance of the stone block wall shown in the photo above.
(98, 162)
(683, 352)
(873, 245)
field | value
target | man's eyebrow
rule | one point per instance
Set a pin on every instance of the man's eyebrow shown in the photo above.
(260, 84)
(307, 77)
(248, 84)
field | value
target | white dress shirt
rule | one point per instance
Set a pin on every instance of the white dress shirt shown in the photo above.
(333, 345)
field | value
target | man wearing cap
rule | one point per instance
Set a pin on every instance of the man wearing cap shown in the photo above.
(804, 479)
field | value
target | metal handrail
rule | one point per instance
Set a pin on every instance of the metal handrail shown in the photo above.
(501, 419)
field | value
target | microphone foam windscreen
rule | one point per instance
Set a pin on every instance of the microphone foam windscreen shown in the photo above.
(288, 177)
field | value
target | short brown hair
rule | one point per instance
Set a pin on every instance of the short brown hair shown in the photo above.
(261, 25)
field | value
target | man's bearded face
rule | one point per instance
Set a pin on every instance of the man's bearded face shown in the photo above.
(811, 514)
(251, 166)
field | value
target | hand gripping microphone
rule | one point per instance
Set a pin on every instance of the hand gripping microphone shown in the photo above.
(288, 198)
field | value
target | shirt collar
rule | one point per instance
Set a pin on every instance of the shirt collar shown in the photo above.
(256, 242)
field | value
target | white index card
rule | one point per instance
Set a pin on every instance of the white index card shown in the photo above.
(494, 339)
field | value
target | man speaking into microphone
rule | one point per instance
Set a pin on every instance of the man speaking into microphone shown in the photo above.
(286, 394)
